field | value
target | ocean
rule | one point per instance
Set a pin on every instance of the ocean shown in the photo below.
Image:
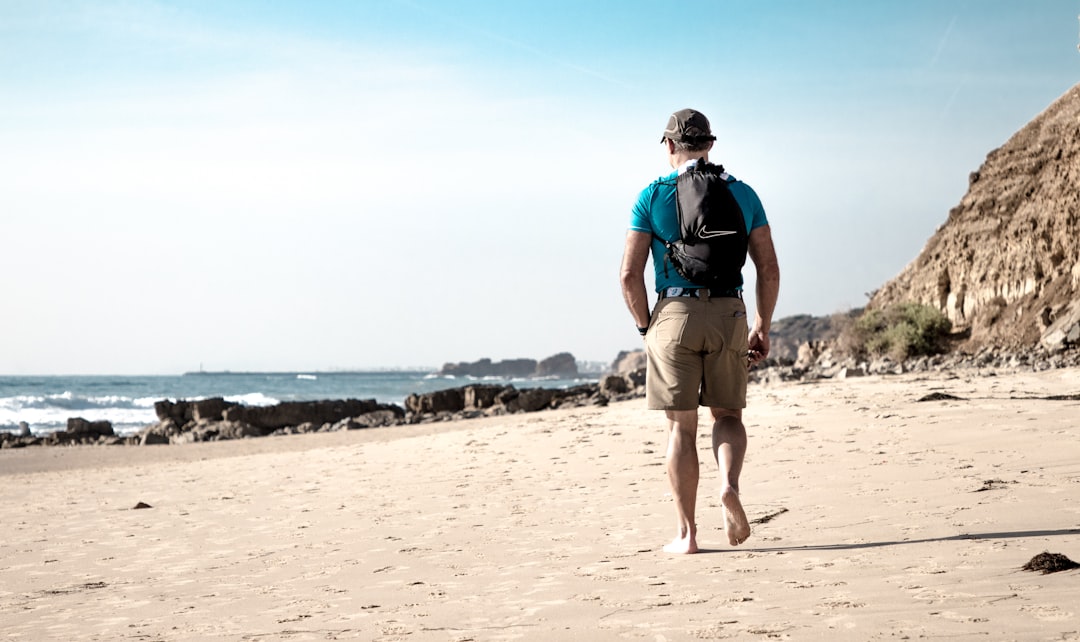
(46, 402)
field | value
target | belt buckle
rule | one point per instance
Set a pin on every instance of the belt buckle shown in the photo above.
(703, 294)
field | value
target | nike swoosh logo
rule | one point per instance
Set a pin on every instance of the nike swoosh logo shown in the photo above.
(707, 234)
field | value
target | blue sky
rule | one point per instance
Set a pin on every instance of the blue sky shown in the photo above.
(318, 185)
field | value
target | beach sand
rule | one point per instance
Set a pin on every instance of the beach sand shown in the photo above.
(876, 517)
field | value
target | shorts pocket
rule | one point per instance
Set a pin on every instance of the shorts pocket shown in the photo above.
(669, 329)
(736, 336)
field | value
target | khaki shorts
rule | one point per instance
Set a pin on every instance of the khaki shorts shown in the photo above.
(697, 354)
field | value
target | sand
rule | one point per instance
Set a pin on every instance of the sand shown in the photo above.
(875, 517)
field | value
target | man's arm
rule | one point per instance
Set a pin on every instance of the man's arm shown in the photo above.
(632, 275)
(767, 290)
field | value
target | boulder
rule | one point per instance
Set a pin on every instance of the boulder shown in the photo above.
(159, 433)
(179, 411)
(81, 429)
(1064, 331)
(808, 354)
(629, 362)
(847, 372)
(217, 431)
(480, 396)
(376, 418)
(450, 400)
(294, 413)
(11, 440)
(529, 400)
(636, 378)
(152, 438)
(612, 385)
(560, 365)
(212, 409)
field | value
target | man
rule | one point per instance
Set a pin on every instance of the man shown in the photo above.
(697, 341)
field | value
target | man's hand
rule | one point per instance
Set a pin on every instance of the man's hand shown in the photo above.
(759, 347)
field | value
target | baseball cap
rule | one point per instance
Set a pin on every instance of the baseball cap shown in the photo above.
(688, 126)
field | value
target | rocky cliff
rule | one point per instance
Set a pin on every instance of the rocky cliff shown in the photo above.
(1004, 267)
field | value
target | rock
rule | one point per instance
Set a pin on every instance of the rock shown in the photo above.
(808, 353)
(212, 409)
(1064, 331)
(789, 335)
(629, 362)
(159, 433)
(153, 438)
(480, 396)
(561, 365)
(481, 400)
(530, 400)
(636, 378)
(219, 420)
(180, 412)
(485, 368)
(846, 372)
(450, 400)
(219, 431)
(375, 419)
(80, 428)
(612, 385)
(294, 413)
(885, 365)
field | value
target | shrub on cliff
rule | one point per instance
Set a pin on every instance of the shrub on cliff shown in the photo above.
(900, 331)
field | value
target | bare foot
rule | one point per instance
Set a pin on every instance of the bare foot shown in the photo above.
(682, 546)
(735, 522)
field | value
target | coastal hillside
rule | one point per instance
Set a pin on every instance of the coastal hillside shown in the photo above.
(1004, 267)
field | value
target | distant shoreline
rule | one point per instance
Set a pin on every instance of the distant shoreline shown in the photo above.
(280, 373)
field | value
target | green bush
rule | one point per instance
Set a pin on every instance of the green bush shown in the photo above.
(901, 331)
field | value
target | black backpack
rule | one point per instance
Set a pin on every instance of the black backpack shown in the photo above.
(711, 248)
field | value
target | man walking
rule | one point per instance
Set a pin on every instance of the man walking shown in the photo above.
(697, 340)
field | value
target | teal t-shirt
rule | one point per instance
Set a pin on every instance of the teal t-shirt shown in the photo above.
(656, 213)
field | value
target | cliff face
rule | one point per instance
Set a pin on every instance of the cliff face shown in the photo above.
(1004, 266)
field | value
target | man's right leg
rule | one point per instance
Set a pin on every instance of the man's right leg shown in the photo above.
(729, 449)
(683, 473)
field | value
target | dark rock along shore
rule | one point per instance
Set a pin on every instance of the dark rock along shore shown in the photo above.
(216, 419)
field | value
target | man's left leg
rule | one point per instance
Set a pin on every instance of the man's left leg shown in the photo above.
(729, 450)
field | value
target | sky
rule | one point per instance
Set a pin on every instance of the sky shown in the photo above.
(318, 185)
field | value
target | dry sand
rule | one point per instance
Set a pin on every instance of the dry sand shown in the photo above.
(890, 519)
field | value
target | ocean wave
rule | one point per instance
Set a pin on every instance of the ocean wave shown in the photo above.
(46, 420)
(253, 399)
(49, 413)
(68, 401)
